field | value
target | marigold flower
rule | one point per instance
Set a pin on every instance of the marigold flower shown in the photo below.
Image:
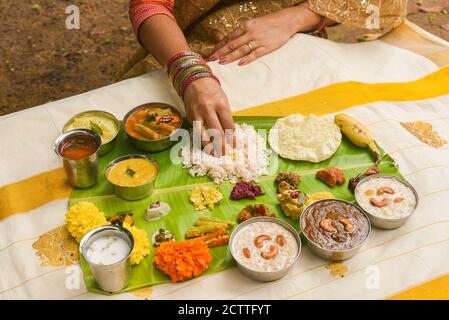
(183, 260)
(141, 243)
(82, 218)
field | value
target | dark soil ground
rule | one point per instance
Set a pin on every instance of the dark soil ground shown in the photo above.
(41, 60)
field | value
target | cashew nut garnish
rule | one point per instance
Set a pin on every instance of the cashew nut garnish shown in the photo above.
(258, 242)
(383, 190)
(326, 225)
(379, 204)
(398, 200)
(246, 253)
(272, 253)
(280, 240)
(347, 224)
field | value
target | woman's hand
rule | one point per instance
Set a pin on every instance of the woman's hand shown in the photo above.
(262, 35)
(205, 101)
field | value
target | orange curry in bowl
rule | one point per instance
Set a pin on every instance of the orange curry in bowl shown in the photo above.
(152, 122)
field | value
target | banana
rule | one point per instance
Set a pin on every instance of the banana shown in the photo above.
(357, 133)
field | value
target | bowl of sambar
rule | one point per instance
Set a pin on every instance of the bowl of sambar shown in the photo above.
(132, 176)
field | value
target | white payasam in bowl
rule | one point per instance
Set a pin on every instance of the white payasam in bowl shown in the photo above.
(265, 248)
(388, 200)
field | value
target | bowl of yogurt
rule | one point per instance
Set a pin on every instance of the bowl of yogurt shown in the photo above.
(388, 200)
(107, 250)
(265, 248)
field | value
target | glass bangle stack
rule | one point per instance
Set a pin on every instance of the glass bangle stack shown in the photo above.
(185, 67)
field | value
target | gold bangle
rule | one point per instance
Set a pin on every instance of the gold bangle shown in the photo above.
(184, 74)
(184, 60)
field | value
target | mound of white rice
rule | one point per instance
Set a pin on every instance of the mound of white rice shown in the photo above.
(246, 162)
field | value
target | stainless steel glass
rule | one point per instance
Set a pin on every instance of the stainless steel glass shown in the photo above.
(81, 173)
(137, 192)
(113, 277)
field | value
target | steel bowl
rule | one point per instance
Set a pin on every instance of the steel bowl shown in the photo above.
(137, 192)
(107, 146)
(332, 254)
(153, 145)
(265, 276)
(386, 223)
(113, 277)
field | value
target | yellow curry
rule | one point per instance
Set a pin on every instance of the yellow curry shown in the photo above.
(132, 172)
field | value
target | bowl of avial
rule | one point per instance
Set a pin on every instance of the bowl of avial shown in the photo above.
(133, 176)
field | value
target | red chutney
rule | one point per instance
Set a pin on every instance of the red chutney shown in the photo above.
(78, 147)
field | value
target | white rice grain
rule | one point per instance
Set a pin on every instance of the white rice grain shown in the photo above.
(246, 162)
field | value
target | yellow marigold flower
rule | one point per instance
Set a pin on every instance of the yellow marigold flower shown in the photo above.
(83, 217)
(141, 243)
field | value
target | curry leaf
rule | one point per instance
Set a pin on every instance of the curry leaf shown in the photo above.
(130, 172)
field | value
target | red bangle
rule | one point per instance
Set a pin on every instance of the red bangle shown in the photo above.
(194, 77)
(181, 54)
(321, 26)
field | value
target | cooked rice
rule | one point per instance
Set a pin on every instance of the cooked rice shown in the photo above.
(246, 162)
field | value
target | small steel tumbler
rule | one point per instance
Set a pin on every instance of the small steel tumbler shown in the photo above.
(82, 173)
(113, 277)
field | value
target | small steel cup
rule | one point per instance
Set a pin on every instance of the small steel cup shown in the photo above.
(113, 277)
(81, 173)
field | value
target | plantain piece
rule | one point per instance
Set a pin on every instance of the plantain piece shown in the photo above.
(198, 231)
(146, 132)
(357, 133)
(207, 218)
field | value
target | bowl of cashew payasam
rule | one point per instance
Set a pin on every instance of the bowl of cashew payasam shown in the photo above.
(265, 248)
(388, 200)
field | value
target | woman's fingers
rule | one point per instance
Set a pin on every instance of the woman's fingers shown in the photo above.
(257, 53)
(233, 35)
(231, 46)
(227, 123)
(215, 134)
(239, 53)
(226, 120)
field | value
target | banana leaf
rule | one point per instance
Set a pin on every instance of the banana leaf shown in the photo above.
(174, 184)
